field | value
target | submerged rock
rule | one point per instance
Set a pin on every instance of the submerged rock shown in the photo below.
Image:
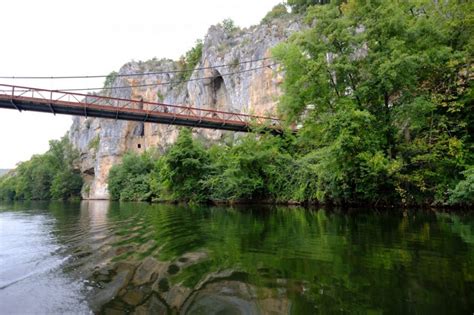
(134, 297)
(235, 297)
(147, 271)
(152, 306)
(176, 296)
(111, 289)
(223, 297)
(191, 258)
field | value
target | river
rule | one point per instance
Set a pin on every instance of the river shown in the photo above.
(112, 258)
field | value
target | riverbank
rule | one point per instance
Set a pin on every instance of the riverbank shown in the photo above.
(263, 168)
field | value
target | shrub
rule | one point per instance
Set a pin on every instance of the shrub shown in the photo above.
(94, 143)
(183, 168)
(301, 5)
(463, 193)
(110, 78)
(278, 11)
(229, 26)
(129, 180)
(189, 61)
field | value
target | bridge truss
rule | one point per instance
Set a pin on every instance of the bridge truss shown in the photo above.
(90, 105)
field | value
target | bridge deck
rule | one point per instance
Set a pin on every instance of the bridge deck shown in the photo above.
(58, 102)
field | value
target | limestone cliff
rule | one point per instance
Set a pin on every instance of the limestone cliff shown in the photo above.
(102, 142)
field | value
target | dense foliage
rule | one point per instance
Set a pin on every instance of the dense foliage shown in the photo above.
(46, 176)
(110, 79)
(228, 25)
(182, 169)
(391, 100)
(131, 179)
(383, 96)
(302, 5)
(278, 11)
(189, 172)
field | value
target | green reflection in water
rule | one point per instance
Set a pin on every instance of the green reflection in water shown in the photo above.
(317, 261)
(326, 261)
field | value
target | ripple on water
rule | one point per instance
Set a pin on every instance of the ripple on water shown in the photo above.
(31, 280)
(202, 260)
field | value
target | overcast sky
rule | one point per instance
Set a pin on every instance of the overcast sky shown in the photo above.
(87, 37)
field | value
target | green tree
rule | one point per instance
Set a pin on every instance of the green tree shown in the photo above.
(463, 193)
(8, 187)
(66, 185)
(276, 12)
(184, 167)
(47, 176)
(402, 70)
(302, 5)
(130, 180)
(228, 25)
(260, 167)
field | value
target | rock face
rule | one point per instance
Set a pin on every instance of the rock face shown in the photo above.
(249, 87)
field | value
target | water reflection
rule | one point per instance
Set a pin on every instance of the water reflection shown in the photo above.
(217, 260)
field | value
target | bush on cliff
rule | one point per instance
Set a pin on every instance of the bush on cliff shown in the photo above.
(278, 11)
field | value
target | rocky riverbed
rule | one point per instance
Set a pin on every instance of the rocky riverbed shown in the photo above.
(147, 287)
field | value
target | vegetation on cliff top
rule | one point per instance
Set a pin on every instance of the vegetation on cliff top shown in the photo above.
(45, 176)
(189, 61)
(302, 5)
(278, 11)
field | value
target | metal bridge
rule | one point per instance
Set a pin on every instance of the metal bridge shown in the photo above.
(59, 102)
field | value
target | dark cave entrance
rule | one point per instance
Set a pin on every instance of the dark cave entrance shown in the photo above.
(219, 97)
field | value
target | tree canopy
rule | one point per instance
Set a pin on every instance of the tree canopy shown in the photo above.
(47, 176)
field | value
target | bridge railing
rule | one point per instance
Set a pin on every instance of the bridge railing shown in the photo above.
(87, 101)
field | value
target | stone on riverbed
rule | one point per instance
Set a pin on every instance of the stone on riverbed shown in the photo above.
(176, 296)
(152, 306)
(148, 271)
(134, 297)
(111, 290)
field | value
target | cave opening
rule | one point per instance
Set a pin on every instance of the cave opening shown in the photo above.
(219, 97)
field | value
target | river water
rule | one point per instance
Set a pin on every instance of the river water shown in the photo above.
(112, 258)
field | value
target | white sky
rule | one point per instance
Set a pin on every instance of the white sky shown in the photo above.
(87, 37)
